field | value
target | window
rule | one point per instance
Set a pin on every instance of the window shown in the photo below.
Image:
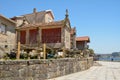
(49, 20)
(3, 28)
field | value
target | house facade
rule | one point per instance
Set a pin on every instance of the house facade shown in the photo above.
(82, 42)
(7, 35)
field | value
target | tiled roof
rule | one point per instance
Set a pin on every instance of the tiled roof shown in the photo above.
(84, 38)
(37, 17)
(55, 23)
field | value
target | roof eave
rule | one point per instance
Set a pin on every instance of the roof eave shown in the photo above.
(7, 19)
(35, 26)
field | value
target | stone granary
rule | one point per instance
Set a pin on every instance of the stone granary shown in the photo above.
(37, 28)
(81, 42)
(82, 45)
(7, 35)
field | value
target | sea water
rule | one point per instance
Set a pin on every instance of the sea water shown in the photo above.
(110, 59)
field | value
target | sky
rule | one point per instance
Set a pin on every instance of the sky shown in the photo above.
(98, 19)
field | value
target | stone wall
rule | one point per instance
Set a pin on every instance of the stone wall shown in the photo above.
(41, 69)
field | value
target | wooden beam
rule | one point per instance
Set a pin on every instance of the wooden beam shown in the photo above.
(44, 50)
(18, 45)
(18, 51)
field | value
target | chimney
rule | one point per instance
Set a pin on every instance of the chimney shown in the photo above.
(66, 13)
(34, 10)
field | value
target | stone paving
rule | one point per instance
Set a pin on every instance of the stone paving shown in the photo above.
(108, 71)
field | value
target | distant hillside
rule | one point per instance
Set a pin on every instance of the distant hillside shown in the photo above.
(116, 54)
(104, 55)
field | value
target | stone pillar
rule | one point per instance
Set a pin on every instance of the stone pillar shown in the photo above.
(39, 42)
(18, 36)
(39, 37)
(63, 36)
(27, 36)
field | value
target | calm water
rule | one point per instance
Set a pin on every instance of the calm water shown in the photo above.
(109, 59)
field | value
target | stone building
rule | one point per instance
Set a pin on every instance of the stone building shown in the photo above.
(39, 27)
(73, 38)
(7, 35)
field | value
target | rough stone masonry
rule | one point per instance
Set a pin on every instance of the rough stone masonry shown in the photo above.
(41, 69)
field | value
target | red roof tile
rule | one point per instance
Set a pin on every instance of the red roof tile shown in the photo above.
(84, 38)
